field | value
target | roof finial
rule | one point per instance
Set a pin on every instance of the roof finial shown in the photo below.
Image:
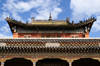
(50, 18)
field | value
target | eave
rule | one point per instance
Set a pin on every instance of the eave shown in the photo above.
(13, 23)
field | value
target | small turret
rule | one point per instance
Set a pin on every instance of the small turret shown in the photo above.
(68, 20)
(72, 22)
(27, 22)
(50, 18)
(32, 19)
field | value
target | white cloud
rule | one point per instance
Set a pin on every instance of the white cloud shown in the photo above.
(16, 16)
(44, 13)
(48, 7)
(16, 6)
(3, 16)
(4, 36)
(96, 25)
(5, 31)
(55, 12)
(83, 9)
(21, 6)
(29, 19)
(43, 7)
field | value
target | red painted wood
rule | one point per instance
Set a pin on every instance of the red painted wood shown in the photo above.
(34, 35)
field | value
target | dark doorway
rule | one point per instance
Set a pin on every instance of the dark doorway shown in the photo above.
(86, 62)
(52, 62)
(18, 62)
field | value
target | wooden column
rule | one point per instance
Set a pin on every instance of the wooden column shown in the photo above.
(63, 34)
(2, 61)
(70, 63)
(69, 60)
(34, 63)
(38, 33)
(33, 60)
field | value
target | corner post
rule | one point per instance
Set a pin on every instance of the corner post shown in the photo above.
(2, 61)
(70, 63)
(34, 63)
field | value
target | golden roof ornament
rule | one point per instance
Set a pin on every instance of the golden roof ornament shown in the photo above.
(50, 18)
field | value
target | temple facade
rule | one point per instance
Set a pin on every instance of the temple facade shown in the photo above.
(50, 43)
(50, 28)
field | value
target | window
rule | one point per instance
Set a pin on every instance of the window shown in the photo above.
(74, 36)
(53, 36)
(42, 36)
(24, 36)
(27, 36)
(48, 36)
(58, 36)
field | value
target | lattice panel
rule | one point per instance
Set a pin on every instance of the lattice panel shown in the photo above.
(92, 44)
(25, 44)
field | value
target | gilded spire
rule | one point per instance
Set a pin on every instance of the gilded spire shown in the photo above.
(50, 18)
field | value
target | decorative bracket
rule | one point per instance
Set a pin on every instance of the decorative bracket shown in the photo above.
(14, 28)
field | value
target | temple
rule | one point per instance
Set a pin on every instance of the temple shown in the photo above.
(50, 43)
(50, 28)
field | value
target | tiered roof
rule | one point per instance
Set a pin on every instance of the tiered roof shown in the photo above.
(92, 49)
(51, 40)
(67, 50)
(62, 24)
(49, 23)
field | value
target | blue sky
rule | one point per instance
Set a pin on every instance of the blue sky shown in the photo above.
(23, 10)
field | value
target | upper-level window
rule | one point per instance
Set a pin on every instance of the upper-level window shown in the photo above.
(48, 36)
(51, 36)
(74, 36)
(58, 36)
(27, 36)
(42, 36)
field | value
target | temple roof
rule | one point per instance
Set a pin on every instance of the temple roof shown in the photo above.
(67, 50)
(50, 40)
(91, 49)
(50, 23)
(46, 22)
